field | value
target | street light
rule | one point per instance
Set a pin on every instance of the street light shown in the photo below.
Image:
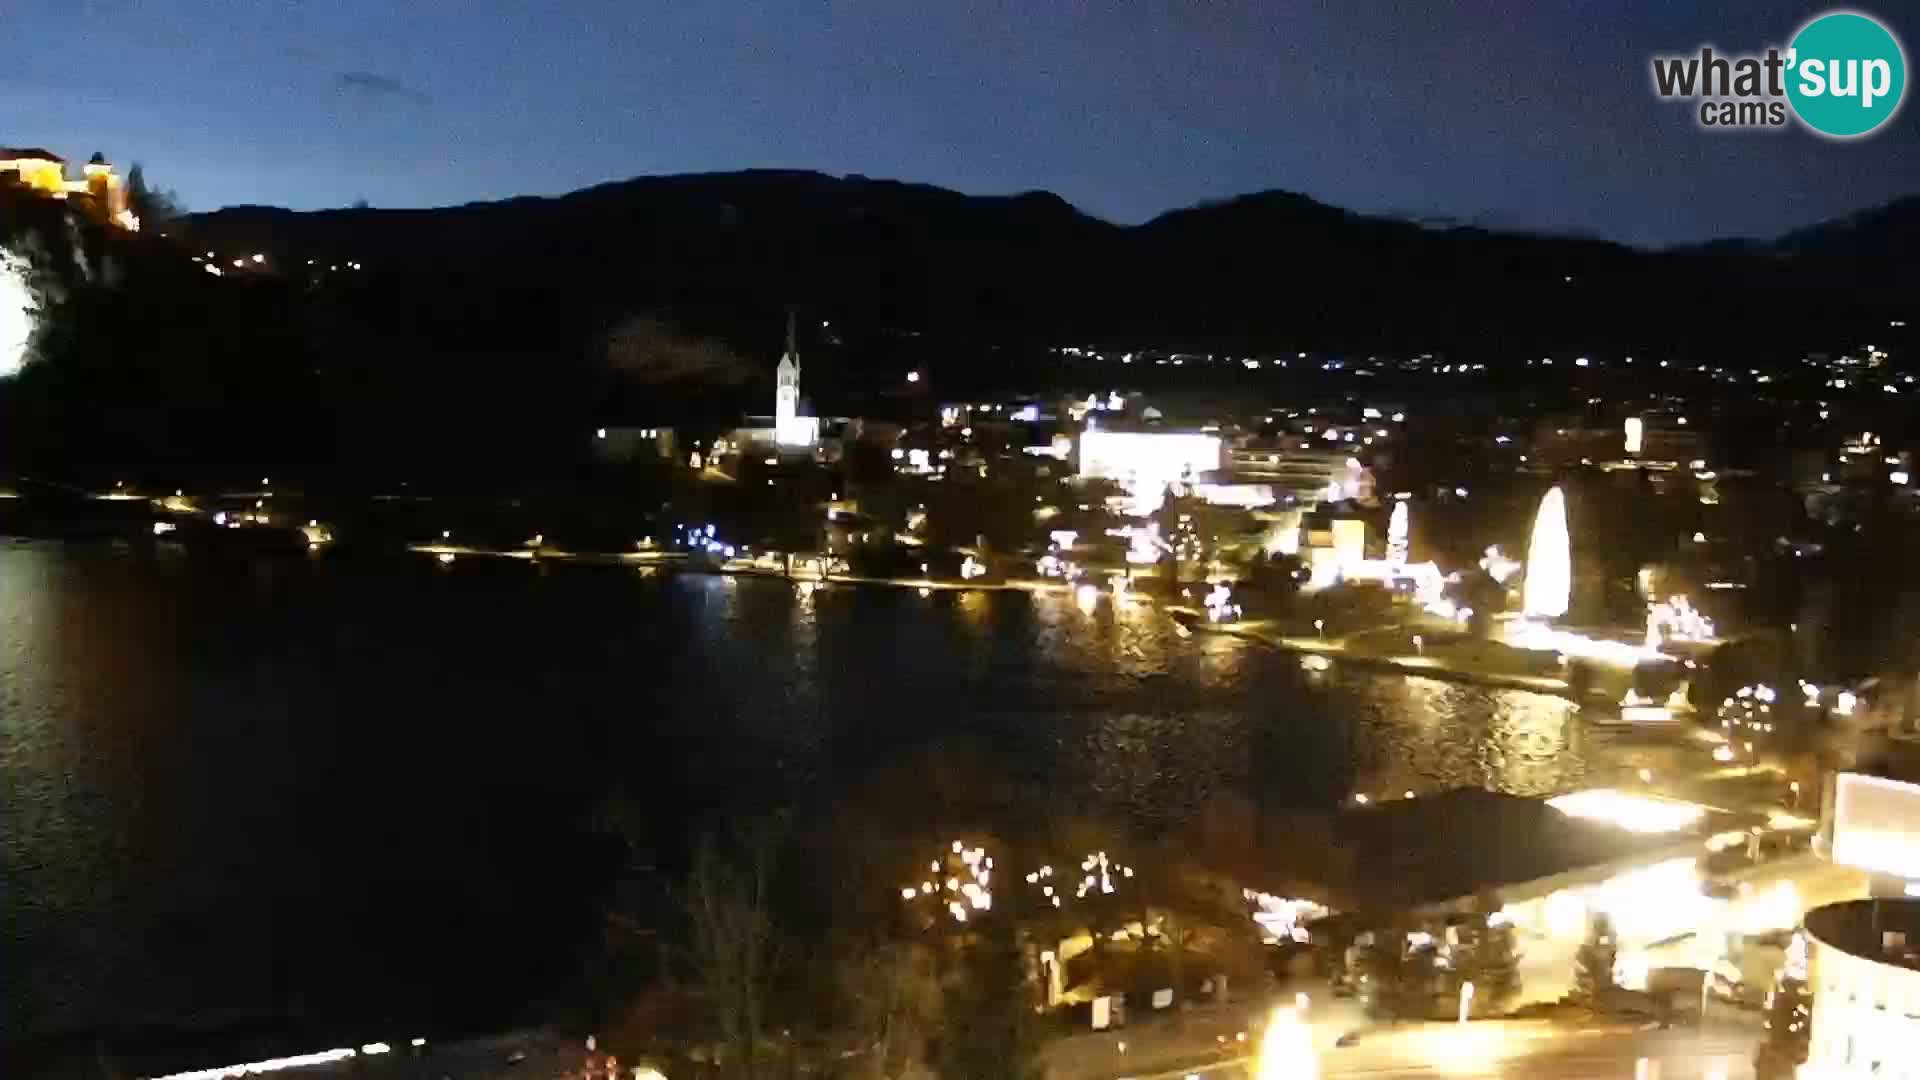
(1286, 1050)
(1320, 627)
(1419, 645)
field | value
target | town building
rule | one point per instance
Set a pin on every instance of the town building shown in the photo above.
(44, 172)
(1659, 441)
(1301, 473)
(1146, 463)
(791, 430)
(1148, 457)
(1872, 824)
(790, 426)
(632, 443)
(1863, 966)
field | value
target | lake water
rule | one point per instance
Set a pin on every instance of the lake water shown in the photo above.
(356, 792)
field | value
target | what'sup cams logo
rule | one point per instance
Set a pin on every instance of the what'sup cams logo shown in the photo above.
(1843, 76)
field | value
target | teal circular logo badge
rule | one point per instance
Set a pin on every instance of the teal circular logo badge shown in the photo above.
(1846, 74)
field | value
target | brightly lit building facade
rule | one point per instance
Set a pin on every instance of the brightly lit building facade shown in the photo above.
(1863, 966)
(1334, 548)
(1872, 824)
(1552, 865)
(1663, 910)
(1147, 456)
(1146, 463)
(1305, 474)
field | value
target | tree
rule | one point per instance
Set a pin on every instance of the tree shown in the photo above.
(1593, 963)
(1400, 977)
(990, 1030)
(734, 952)
(891, 1002)
(1789, 1021)
(153, 206)
(1194, 529)
(1491, 959)
(1200, 916)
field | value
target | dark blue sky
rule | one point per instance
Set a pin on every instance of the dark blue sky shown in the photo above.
(1535, 112)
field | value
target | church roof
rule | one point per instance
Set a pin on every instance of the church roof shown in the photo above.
(29, 153)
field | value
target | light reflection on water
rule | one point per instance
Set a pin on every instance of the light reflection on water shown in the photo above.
(185, 744)
(1458, 735)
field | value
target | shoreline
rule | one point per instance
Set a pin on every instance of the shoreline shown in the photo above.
(1194, 619)
(1249, 630)
(1427, 666)
(682, 562)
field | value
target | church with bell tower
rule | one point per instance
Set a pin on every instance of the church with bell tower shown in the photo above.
(789, 427)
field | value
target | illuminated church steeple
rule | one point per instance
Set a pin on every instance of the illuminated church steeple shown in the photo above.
(789, 427)
(786, 391)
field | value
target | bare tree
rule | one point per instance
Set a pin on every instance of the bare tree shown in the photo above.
(153, 206)
(989, 1027)
(892, 998)
(734, 951)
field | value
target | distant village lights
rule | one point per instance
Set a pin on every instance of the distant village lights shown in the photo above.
(1677, 620)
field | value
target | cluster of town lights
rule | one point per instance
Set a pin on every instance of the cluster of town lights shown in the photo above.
(958, 896)
(1097, 877)
(1220, 605)
(960, 883)
(1282, 918)
(1099, 874)
(1677, 620)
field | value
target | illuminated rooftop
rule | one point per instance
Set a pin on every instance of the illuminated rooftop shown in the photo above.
(1885, 930)
(1441, 847)
(1647, 814)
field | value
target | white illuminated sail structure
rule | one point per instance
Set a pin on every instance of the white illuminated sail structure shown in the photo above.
(1549, 561)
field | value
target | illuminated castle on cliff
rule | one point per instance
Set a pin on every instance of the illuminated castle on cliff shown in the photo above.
(45, 173)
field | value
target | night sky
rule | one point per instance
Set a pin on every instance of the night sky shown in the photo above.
(1534, 114)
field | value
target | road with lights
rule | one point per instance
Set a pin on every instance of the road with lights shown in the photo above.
(1534, 1051)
